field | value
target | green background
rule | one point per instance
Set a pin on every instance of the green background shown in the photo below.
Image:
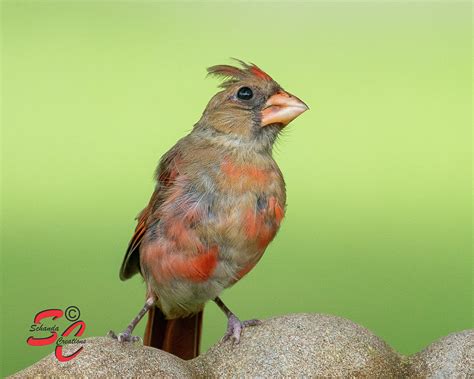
(378, 228)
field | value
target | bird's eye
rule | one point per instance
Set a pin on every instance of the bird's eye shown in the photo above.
(244, 93)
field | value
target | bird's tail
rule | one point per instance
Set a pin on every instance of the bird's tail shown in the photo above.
(180, 336)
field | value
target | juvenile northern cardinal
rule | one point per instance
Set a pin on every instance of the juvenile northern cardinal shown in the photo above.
(218, 202)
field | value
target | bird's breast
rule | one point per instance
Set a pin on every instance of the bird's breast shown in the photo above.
(242, 177)
(214, 225)
(247, 210)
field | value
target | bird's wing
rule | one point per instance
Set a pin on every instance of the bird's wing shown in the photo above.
(131, 262)
(166, 174)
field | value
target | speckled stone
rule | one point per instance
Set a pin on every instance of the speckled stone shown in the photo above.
(295, 345)
(105, 357)
(302, 345)
(449, 357)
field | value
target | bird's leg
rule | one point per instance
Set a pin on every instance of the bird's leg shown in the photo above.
(234, 325)
(126, 335)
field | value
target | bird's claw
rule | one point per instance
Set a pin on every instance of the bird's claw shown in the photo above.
(235, 327)
(125, 336)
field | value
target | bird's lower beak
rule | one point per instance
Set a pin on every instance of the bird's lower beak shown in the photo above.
(282, 108)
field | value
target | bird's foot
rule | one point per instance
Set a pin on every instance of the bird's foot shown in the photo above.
(125, 336)
(235, 327)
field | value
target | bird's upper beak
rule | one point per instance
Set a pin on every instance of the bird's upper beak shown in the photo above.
(282, 108)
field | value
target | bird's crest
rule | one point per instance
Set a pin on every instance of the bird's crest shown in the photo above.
(234, 74)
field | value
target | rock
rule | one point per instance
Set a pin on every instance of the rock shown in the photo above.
(297, 345)
(449, 357)
(105, 357)
(302, 345)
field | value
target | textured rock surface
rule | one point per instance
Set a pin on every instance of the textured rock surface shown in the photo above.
(449, 357)
(302, 344)
(105, 357)
(294, 345)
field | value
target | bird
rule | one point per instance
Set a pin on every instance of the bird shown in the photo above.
(218, 202)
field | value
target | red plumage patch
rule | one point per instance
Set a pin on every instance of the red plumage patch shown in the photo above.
(260, 73)
(198, 268)
(238, 173)
(181, 235)
(236, 73)
(167, 264)
(258, 229)
(279, 213)
(253, 223)
(275, 206)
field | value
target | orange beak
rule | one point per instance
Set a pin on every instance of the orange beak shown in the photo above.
(282, 108)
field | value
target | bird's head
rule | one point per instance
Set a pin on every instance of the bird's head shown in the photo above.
(251, 106)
